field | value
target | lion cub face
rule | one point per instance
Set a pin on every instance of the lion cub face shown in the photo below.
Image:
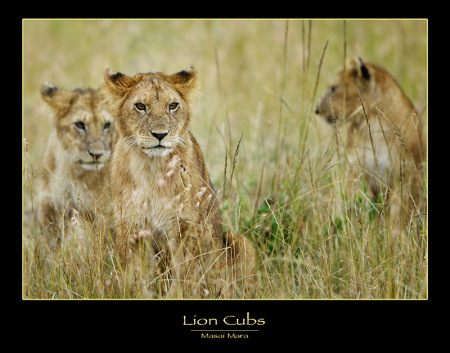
(83, 124)
(344, 89)
(152, 109)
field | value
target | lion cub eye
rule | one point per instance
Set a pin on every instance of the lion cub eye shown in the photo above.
(173, 106)
(140, 106)
(80, 125)
(334, 88)
(107, 125)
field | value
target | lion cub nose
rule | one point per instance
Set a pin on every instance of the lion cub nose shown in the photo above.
(95, 155)
(159, 135)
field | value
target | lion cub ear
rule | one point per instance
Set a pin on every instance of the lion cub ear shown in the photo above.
(358, 68)
(117, 83)
(186, 83)
(184, 78)
(58, 99)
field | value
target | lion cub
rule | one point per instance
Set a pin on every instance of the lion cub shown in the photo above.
(160, 186)
(395, 127)
(74, 165)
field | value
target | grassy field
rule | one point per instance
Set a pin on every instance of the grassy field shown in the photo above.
(274, 162)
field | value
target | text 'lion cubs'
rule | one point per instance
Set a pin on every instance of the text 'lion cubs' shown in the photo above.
(74, 166)
(385, 125)
(161, 189)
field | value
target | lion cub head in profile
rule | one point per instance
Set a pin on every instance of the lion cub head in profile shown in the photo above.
(366, 94)
(79, 147)
(160, 185)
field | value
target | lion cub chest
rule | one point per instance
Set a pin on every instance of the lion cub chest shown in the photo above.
(155, 192)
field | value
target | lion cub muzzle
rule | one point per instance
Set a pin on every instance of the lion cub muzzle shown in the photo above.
(94, 156)
(157, 144)
(159, 135)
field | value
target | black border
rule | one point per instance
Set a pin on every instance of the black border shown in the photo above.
(127, 323)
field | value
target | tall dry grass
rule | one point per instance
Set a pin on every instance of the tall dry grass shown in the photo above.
(279, 171)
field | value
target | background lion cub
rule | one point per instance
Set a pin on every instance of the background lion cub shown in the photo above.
(160, 185)
(395, 127)
(74, 166)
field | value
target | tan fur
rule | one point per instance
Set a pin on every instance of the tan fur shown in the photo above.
(71, 178)
(395, 127)
(160, 185)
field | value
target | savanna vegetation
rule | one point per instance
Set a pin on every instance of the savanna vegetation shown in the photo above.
(279, 170)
